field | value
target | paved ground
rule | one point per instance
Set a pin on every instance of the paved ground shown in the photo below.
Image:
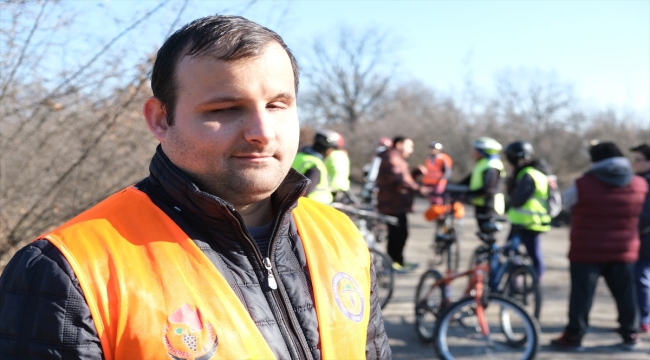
(600, 342)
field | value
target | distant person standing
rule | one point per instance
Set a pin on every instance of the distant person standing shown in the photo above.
(371, 169)
(310, 161)
(641, 166)
(486, 179)
(338, 169)
(528, 191)
(395, 197)
(438, 167)
(605, 204)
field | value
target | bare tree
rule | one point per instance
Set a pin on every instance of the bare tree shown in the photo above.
(67, 139)
(347, 80)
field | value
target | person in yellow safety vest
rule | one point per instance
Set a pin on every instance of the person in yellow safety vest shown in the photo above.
(338, 169)
(310, 161)
(528, 191)
(215, 254)
(438, 167)
(486, 179)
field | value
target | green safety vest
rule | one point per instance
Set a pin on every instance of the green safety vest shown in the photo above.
(304, 162)
(338, 169)
(476, 182)
(533, 215)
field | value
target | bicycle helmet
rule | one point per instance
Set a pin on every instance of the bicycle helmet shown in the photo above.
(487, 145)
(435, 145)
(518, 150)
(328, 139)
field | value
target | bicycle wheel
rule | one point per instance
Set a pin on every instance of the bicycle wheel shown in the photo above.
(385, 279)
(523, 285)
(513, 333)
(429, 300)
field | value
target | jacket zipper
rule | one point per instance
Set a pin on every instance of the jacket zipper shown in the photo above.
(301, 348)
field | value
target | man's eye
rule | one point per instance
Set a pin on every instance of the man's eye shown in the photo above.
(224, 110)
(276, 106)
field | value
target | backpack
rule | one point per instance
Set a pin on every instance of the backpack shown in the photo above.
(554, 204)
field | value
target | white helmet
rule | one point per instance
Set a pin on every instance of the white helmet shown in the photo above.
(487, 145)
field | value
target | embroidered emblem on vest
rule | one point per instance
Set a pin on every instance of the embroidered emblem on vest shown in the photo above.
(348, 296)
(186, 337)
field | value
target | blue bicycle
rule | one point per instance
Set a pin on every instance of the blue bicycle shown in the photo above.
(511, 273)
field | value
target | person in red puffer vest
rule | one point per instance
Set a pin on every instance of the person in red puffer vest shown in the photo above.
(605, 204)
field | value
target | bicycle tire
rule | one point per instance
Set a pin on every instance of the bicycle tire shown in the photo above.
(523, 285)
(385, 275)
(428, 304)
(514, 333)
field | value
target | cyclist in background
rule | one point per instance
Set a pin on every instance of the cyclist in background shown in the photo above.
(310, 161)
(371, 170)
(338, 169)
(486, 179)
(438, 171)
(528, 191)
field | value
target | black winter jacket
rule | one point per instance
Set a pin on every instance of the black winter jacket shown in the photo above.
(43, 313)
(644, 224)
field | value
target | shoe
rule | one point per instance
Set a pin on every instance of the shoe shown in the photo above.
(404, 268)
(644, 328)
(568, 342)
(409, 266)
(630, 342)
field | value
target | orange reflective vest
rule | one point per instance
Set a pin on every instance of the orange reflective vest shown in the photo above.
(435, 168)
(153, 293)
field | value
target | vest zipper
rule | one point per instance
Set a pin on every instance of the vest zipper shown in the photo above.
(301, 348)
(272, 283)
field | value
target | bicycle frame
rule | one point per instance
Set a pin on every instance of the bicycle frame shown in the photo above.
(474, 288)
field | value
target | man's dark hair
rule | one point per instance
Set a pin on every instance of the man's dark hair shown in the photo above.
(643, 149)
(399, 139)
(225, 37)
(604, 150)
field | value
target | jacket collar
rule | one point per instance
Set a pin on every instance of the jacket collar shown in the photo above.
(172, 184)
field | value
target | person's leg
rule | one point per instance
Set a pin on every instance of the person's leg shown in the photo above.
(530, 239)
(620, 280)
(642, 276)
(584, 278)
(397, 235)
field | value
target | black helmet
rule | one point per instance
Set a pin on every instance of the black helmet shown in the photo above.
(328, 139)
(519, 150)
(435, 145)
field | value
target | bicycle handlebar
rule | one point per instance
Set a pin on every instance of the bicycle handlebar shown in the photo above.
(351, 210)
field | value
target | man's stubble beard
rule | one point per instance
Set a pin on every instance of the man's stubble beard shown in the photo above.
(242, 187)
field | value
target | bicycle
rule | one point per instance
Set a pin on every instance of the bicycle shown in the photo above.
(521, 282)
(372, 226)
(499, 324)
(447, 217)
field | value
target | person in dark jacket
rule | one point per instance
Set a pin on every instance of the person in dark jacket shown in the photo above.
(395, 196)
(641, 165)
(605, 204)
(486, 180)
(528, 199)
(224, 110)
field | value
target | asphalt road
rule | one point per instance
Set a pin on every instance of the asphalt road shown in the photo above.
(600, 342)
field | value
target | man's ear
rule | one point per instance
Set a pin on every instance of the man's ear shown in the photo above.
(156, 116)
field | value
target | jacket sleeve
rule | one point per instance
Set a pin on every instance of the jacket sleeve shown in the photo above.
(377, 341)
(43, 313)
(524, 190)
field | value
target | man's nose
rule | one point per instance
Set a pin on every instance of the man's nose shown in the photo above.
(260, 126)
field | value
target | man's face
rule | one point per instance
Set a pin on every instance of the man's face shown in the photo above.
(236, 126)
(640, 164)
(406, 147)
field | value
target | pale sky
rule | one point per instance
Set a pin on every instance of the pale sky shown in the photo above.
(601, 47)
